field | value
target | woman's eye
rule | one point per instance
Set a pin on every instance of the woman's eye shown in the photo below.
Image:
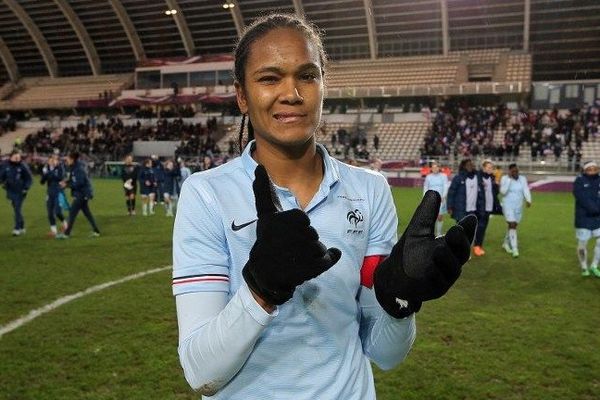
(268, 79)
(309, 76)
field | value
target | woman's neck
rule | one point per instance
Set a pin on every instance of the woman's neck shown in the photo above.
(300, 169)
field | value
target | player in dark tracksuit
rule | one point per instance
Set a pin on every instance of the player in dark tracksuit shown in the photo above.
(16, 179)
(159, 173)
(130, 176)
(171, 174)
(53, 174)
(147, 187)
(81, 191)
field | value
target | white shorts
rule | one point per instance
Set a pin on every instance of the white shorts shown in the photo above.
(583, 235)
(512, 214)
(443, 208)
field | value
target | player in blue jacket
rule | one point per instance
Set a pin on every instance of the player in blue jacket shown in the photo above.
(81, 192)
(159, 175)
(465, 195)
(53, 173)
(148, 185)
(16, 178)
(286, 270)
(489, 206)
(169, 187)
(586, 190)
(437, 181)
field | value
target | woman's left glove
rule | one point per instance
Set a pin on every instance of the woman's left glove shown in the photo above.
(422, 267)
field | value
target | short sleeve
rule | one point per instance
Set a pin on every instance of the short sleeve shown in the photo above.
(384, 220)
(200, 253)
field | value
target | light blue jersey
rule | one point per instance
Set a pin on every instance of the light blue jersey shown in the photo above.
(515, 191)
(317, 347)
(438, 182)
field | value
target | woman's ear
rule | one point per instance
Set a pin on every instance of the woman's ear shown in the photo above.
(241, 97)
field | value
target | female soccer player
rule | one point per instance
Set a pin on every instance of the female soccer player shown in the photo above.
(169, 190)
(130, 177)
(53, 173)
(16, 179)
(439, 182)
(586, 190)
(147, 187)
(271, 298)
(490, 204)
(82, 193)
(515, 190)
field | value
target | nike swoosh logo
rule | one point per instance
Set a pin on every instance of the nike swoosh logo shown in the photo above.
(235, 227)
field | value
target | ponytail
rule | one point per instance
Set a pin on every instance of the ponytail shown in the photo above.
(241, 134)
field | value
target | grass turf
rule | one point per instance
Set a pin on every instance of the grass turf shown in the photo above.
(521, 328)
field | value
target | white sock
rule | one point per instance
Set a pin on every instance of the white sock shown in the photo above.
(506, 241)
(596, 254)
(65, 224)
(438, 228)
(53, 229)
(512, 237)
(145, 208)
(582, 253)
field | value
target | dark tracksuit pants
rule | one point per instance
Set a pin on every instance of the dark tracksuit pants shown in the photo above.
(79, 203)
(53, 209)
(482, 223)
(17, 203)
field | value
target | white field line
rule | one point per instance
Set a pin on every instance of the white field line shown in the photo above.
(33, 314)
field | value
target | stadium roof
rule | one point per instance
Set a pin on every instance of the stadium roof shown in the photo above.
(85, 37)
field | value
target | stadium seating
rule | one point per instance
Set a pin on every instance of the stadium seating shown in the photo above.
(63, 92)
(400, 140)
(519, 68)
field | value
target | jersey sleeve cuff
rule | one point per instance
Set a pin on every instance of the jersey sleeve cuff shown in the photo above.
(253, 308)
(195, 279)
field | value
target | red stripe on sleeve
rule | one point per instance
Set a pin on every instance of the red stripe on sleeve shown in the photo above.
(367, 270)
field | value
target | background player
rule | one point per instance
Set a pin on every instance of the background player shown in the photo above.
(81, 192)
(171, 177)
(147, 187)
(437, 181)
(490, 204)
(514, 190)
(586, 190)
(465, 195)
(53, 173)
(129, 176)
(16, 179)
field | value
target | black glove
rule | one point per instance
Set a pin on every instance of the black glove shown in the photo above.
(422, 267)
(287, 251)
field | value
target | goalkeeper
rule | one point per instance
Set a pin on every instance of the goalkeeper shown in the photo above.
(288, 275)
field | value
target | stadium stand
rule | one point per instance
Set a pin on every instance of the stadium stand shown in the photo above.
(400, 140)
(32, 93)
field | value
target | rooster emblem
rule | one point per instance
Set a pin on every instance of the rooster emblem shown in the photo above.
(354, 217)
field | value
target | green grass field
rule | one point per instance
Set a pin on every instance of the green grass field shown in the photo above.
(522, 328)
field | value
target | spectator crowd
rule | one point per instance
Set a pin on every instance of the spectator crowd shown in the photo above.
(112, 140)
(462, 131)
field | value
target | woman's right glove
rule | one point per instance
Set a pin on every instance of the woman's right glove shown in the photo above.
(287, 251)
(422, 267)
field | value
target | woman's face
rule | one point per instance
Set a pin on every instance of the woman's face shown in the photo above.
(435, 168)
(283, 90)
(514, 172)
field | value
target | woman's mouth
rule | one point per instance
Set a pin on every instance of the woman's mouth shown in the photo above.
(288, 118)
